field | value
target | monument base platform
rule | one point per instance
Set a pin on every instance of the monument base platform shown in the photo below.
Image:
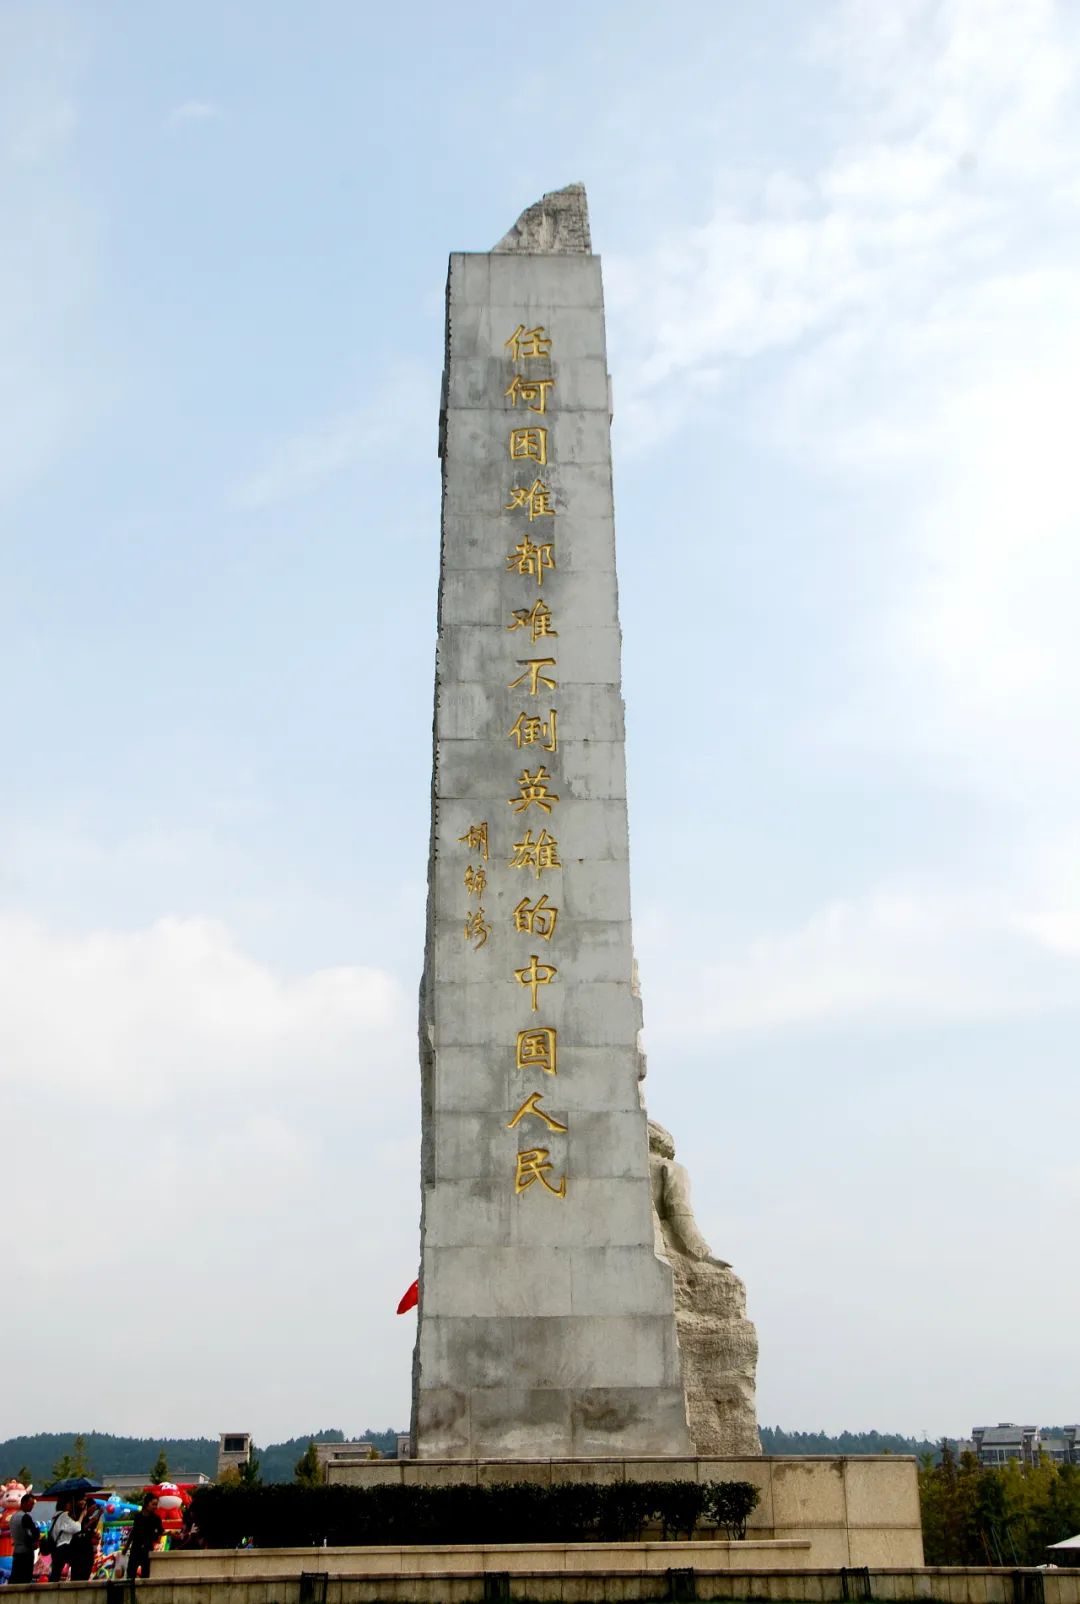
(848, 1511)
(468, 1559)
(637, 1586)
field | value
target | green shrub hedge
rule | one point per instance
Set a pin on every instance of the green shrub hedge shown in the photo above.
(513, 1512)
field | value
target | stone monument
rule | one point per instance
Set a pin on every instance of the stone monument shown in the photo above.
(574, 1326)
(547, 1318)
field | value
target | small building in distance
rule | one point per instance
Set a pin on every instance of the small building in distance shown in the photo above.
(362, 1448)
(234, 1450)
(1063, 1449)
(1005, 1442)
(997, 1445)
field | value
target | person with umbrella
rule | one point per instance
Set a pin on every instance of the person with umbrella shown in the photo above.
(84, 1547)
(64, 1530)
(67, 1527)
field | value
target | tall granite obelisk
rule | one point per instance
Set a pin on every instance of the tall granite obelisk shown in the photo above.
(547, 1324)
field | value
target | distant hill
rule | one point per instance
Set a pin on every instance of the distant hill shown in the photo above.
(774, 1440)
(104, 1454)
(133, 1456)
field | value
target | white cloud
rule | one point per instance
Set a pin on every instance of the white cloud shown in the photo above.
(337, 444)
(87, 1013)
(193, 111)
(983, 79)
(915, 298)
(1052, 914)
(176, 1114)
(950, 104)
(904, 953)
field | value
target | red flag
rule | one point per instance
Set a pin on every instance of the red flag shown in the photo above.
(411, 1298)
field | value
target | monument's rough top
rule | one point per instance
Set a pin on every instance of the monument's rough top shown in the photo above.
(556, 225)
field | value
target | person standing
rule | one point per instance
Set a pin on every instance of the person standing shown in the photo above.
(146, 1532)
(64, 1529)
(84, 1547)
(25, 1536)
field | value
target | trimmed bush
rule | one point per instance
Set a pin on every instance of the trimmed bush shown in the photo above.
(292, 1516)
(681, 1508)
(729, 1505)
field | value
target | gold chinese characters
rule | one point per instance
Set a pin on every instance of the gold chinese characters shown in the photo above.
(534, 672)
(531, 730)
(537, 918)
(535, 1048)
(536, 618)
(534, 1164)
(528, 445)
(528, 344)
(534, 976)
(476, 928)
(533, 392)
(531, 1105)
(530, 560)
(536, 501)
(533, 792)
(476, 838)
(538, 855)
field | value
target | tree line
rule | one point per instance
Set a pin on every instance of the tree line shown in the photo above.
(49, 1456)
(976, 1514)
(775, 1440)
(99, 1453)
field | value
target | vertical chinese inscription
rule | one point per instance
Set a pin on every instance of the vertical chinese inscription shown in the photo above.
(538, 675)
(477, 929)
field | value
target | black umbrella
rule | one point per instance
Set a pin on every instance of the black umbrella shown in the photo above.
(72, 1484)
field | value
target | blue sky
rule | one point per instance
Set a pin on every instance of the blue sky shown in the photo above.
(839, 247)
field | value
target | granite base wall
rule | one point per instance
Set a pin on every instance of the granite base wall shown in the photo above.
(852, 1511)
(524, 1559)
(949, 1586)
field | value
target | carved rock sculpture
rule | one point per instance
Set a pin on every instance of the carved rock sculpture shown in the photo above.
(556, 225)
(717, 1342)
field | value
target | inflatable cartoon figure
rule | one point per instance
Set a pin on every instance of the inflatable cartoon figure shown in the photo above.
(116, 1517)
(11, 1493)
(172, 1502)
